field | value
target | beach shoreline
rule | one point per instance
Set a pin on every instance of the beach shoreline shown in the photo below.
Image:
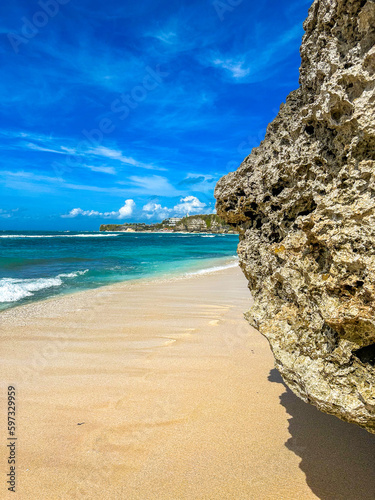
(32, 270)
(161, 390)
(217, 265)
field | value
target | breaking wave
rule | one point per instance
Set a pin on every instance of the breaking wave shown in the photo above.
(58, 235)
(13, 290)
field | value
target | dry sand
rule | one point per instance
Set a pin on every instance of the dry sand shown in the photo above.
(177, 399)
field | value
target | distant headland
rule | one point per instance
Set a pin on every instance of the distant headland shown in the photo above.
(211, 223)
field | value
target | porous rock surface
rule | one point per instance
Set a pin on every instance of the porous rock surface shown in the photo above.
(304, 205)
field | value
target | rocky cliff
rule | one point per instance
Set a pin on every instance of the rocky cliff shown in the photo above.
(207, 223)
(304, 204)
(203, 223)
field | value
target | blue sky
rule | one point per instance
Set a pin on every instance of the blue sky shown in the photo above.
(122, 111)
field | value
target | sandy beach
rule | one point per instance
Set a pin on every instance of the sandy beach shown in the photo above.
(161, 390)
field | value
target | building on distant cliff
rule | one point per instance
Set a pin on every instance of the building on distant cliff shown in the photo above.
(172, 221)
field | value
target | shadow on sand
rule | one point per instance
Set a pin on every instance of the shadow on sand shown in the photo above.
(338, 458)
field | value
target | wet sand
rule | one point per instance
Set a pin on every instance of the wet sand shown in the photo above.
(161, 390)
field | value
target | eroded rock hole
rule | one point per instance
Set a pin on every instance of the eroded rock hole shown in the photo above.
(323, 258)
(304, 207)
(365, 149)
(350, 288)
(284, 142)
(252, 212)
(354, 89)
(275, 237)
(240, 193)
(366, 354)
(308, 210)
(310, 129)
(277, 190)
(336, 115)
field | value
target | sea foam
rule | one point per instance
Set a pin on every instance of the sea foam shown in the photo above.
(213, 269)
(58, 235)
(13, 290)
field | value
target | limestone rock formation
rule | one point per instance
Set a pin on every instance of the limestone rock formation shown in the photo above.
(304, 204)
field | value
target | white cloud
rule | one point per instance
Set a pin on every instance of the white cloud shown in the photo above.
(78, 211)
(156, 210)
(151, 207)
(122, 213)
(127, 209)
(190, 204)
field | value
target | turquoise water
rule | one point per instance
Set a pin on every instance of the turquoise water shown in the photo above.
(37, 265)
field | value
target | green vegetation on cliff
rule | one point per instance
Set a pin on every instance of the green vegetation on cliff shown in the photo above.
(203, 223)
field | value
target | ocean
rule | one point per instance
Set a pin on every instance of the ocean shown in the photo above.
(38, 265)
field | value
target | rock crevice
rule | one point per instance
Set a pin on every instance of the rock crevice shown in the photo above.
(304, 205)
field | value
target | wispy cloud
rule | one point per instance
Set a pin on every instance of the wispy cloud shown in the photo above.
(256, 64)
(34, 183)
(199, 182)
(102, 169)
(114, 157)
(30, 176)
(7, 214)
(168, 37)
(154, 185)
(134, 185)
(236, 68)
(113, 154)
